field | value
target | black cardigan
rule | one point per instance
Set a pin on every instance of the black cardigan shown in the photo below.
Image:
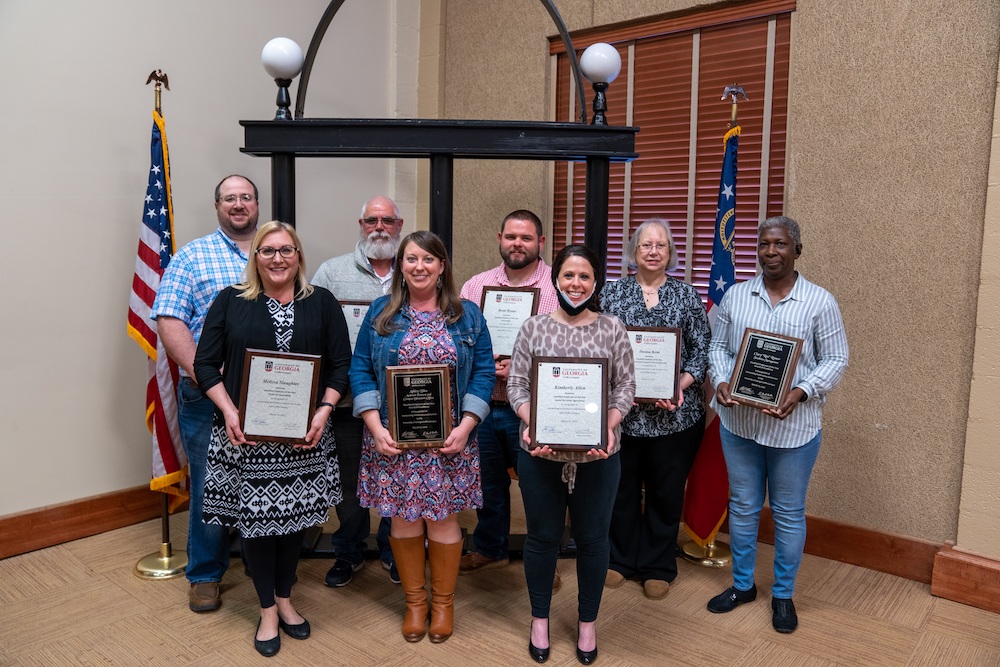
(234, 324)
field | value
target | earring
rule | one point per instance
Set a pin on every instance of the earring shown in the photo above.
(439, 282)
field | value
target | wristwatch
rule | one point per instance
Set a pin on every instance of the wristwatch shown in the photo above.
(326, 404)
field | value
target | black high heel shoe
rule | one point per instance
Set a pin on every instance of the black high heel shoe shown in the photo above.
(537, 654)
(585, 657)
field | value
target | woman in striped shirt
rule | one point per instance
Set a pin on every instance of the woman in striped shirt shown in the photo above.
(774, 450)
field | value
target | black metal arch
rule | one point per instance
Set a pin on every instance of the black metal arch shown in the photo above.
(334, 7)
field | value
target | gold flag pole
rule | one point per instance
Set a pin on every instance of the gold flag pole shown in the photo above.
(163, 564)
(733, 91)
(161, 79)
(713, 553)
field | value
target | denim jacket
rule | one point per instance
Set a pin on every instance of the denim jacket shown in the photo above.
(475, 373)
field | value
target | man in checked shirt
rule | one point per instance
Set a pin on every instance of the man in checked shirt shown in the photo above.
(190, 283)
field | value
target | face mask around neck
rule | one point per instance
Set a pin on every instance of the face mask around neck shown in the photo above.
(568, 306)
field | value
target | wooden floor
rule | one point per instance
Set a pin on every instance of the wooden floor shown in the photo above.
(80, 604)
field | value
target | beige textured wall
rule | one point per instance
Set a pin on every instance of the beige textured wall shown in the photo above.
(891, 108)
(890, 112)
(979, 516)
(495, 74)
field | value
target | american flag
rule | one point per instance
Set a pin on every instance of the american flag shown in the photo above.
(706, 499)
(156, 246)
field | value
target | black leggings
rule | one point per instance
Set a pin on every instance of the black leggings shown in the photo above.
(272, 563)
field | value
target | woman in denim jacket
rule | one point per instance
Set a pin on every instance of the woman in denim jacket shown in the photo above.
(423, 321)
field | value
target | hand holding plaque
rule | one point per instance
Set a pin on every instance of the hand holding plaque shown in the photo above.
(419, 405)
(765, 367)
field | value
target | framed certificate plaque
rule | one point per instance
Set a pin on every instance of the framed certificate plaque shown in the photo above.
(354, 313)
(569, 403)
(765, 367)
(419, 405)
(657, 353)
(505, 310)
(278, 395)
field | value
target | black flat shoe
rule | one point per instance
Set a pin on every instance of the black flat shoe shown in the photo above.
(300, 631)
(731, 598)
(267, 647)
(586, 657)
(784, 619)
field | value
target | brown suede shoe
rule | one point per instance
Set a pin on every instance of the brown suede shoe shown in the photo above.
(475, 561)
(613, 579)
(655, 589)
(205, 596)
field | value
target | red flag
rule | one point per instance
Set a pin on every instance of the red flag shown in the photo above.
(706, 499)
(156, 247)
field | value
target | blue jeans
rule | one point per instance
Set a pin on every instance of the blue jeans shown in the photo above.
(499, 447)
(546, 498)
(207, 546)
(784, 475)
(348, 540)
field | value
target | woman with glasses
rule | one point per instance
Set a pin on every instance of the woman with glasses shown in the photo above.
(423, 321)
(272, 492)
(660, 439)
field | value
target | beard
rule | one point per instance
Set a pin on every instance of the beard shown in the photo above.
(518, 263)
(379, 245)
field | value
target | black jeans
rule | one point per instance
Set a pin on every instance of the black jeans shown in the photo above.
(349, 539)
(546, 499)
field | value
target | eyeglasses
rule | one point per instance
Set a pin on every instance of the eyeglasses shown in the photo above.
(246, 198)
(287, 252)
(646, 247)
(385, 220)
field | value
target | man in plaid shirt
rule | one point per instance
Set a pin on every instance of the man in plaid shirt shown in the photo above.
(190, 283)
(521, 242)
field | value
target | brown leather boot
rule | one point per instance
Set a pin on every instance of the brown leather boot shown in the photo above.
(444, 560)
(410, 561)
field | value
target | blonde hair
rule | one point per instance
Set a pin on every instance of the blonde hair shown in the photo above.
(448, 301)
(251, 287)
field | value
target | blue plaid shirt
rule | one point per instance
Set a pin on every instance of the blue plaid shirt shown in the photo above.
(195, 276)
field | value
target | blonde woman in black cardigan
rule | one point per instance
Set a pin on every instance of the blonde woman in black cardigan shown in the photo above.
(272, 491)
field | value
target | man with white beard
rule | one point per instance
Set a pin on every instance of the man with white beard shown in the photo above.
(362, 275)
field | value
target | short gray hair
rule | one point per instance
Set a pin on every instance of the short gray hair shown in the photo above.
(395, 208)
(785, 223)
(633, 243)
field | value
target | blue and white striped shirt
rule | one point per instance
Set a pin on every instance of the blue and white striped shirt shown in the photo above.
(808, 312)
(195, 276)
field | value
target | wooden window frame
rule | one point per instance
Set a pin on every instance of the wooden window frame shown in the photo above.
(680, 155)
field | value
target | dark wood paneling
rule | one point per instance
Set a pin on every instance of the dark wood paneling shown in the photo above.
(906, 557)
(966, 578)
(48, 526)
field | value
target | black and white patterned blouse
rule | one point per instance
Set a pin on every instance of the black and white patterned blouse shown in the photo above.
(679, 306)
(283, 317)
